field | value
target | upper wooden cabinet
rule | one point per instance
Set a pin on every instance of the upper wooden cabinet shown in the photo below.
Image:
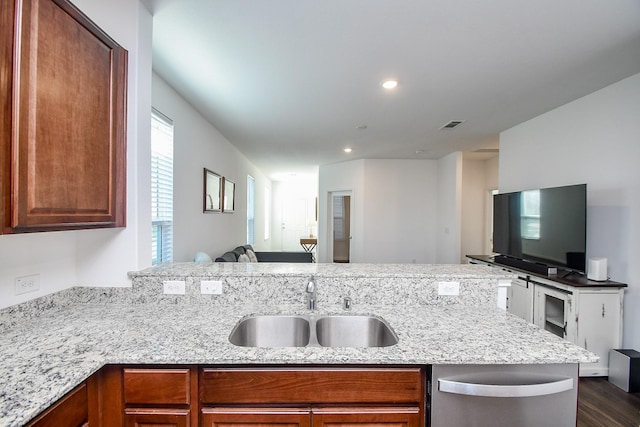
(63, 141)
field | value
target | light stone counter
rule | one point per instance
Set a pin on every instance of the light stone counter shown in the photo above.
(50, 345)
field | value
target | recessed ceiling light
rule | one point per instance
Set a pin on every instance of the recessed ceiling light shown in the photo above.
(389, 84)
(361, 127)
(347, 150)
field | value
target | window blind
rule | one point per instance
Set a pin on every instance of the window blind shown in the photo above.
(251, 185)
(161, 188)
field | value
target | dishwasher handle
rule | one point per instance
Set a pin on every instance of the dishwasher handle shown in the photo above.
(500, 390)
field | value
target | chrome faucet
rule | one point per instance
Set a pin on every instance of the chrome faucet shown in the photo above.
(311, 292)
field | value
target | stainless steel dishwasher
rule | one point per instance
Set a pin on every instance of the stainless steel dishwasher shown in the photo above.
(504, 395)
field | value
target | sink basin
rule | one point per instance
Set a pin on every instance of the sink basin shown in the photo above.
(302, 331)
(271, 331)
(354, 331)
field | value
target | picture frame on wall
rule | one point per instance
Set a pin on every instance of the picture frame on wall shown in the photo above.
(228, 196)
(212, 194)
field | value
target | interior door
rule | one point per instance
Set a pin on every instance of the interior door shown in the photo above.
(294, 223)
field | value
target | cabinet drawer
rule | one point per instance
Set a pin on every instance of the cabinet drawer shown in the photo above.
(311, 385)
(368, 416)
(156, 418)
(263, 417)
(157, 386)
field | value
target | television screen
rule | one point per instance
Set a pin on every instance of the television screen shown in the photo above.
(547, 226)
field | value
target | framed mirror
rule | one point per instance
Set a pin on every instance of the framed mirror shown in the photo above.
(228, 196)
(212, 192)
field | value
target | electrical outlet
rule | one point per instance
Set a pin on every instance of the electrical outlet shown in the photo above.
(448, 288)
(174, 287)
(28, 283)
(211, 287)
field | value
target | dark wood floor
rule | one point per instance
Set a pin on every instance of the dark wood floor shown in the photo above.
(601, 404)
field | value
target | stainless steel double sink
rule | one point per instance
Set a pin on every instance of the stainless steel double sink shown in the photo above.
(313, 331)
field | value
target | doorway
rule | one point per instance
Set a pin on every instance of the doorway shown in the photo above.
(341, 226)
(294, 223)
(488, 240)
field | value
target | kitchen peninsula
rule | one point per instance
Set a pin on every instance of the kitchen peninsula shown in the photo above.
(50, 345)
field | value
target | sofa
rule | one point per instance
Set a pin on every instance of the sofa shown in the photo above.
(246, 253)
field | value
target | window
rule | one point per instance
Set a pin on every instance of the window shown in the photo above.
(251, 185)
(530, 217)
(161, 188)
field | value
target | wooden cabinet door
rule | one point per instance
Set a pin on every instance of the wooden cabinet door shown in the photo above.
(367, 417)
(256, 417)
(68, 122)
(70, 411)
(157, 418)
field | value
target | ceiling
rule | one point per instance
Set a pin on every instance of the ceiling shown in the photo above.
(289, 82)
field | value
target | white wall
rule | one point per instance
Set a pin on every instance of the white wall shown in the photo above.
(492, 173)
(96, 257)
(593, 140)
(448, 233)
(479, 177)
(346, 176)
(198, 145)
(395, 209)
(400, 211)
(404, 211)
(473, 208)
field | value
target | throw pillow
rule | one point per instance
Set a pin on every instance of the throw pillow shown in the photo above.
(243, 258)
(201, 257)
(252, 256)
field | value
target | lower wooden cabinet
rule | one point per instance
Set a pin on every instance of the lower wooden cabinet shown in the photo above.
(367, 417)
(157, 418)
(160, 396)
(312, 397)
(70, 411)
(312, 417)
(272, 396)
(252, 417)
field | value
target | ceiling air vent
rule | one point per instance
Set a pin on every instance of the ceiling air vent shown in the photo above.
(452, 124)
(486, 150)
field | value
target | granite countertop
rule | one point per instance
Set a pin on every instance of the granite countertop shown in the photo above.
(45, 356)
(353, 270)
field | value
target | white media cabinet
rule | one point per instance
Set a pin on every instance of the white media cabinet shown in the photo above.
(583, 311)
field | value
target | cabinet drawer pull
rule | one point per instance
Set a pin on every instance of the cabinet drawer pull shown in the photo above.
(499, 390)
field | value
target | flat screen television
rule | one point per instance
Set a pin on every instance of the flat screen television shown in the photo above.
(546, 226)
